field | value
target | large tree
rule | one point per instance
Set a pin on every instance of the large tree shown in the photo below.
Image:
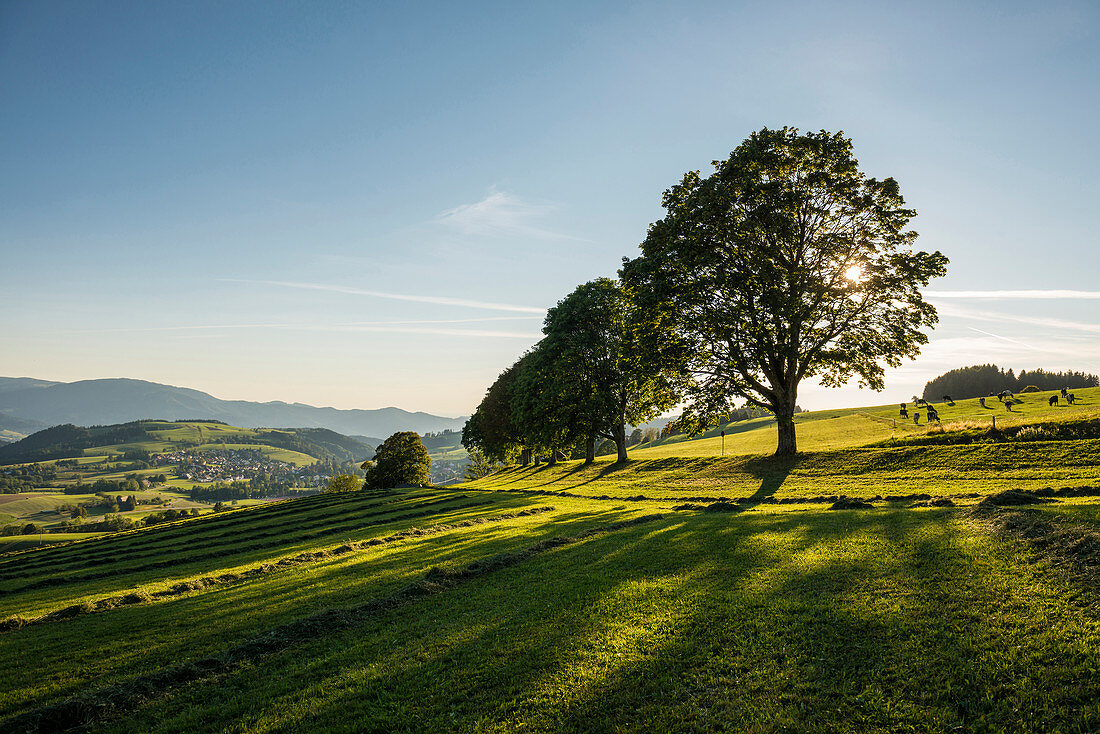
(784, 264)
(595, 377)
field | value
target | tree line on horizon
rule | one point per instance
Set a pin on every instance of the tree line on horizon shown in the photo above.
(787, 263)
(986, 379)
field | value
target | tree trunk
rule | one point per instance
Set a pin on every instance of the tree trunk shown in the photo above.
(788, 444)
(553, 457)
(620, 442)
(525, 457)
(590, 450)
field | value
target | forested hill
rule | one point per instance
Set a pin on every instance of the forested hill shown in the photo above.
(162, 436)
(983, 379)
(103, 402)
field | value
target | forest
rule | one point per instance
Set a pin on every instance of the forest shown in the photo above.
(986, 379)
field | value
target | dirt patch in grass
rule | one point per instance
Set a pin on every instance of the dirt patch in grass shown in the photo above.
(1013, 498)
(107, 702)
(850, 503)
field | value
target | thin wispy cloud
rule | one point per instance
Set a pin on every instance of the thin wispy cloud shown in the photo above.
(439, 300)
(1054, 294)
(999, 317)
(419, 326)
(501, 214)
(1002, 338)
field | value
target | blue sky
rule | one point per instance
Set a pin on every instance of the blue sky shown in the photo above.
(369, 204)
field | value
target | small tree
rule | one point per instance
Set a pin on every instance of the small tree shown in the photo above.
(479, 465)
(786, 263)
(401, 459)
(343, 483)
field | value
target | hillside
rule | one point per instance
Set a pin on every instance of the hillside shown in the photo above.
(466, 610)
(849, 427)
(13, 429)
(66, 441)
(102, 402)
(864, 587)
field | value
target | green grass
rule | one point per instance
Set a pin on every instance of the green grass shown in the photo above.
(856, 472)
(847, 427)
(12, 543)
(807, 620)
(443, 610)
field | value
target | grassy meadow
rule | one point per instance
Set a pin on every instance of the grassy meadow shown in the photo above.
(600, 598)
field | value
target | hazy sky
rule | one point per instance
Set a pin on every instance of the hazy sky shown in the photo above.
(370, 204)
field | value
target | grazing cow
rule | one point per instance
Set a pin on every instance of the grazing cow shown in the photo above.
(1071, 399)
(981, 402)
(904, 412)
(947, 399)
(916, 417)
(1065, 393)
(933, 414)
(1053, 400)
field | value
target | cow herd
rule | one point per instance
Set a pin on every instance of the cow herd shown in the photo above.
(1006, 397)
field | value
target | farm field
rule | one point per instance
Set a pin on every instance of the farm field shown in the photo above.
(833, 429)
(675, 593)
(497, 612)
(220, 452)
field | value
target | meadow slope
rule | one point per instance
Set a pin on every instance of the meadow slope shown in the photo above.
(601, 598)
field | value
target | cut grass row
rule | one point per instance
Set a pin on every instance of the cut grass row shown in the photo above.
(807, 621)
(195, 535)
(114, 647)
(271, 566)
(256, 543)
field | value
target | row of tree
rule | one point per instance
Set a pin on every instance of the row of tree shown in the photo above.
(787, 263)
(986, 379)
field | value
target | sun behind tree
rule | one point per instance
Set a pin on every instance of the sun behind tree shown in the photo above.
(786, 263)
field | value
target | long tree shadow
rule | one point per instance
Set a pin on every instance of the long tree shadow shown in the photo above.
(772, 471)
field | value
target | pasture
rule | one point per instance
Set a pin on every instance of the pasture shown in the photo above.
(597, 598)
(458, 610)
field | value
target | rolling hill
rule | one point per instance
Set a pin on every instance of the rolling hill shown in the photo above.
(102, 402)
(680, 592)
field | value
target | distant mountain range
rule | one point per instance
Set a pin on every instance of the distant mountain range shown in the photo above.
(27, 403)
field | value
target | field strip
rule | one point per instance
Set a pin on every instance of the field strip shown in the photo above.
(188, 529)
(139, 596)
(282, 540)
(107, 702)
(224, 536)
(257, 513)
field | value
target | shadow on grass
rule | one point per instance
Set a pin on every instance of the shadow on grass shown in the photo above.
(869, 621)
(772, 471)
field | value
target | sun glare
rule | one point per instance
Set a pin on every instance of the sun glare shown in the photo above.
(854, 273)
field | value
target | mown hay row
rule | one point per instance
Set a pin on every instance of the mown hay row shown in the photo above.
(139, 596)
(109, 702)
(222, 539)
(282, 540)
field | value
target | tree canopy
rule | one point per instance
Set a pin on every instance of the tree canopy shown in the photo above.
(593, 378)
(343, 483)
(401, 459)
(492, 429)
(786, 263)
